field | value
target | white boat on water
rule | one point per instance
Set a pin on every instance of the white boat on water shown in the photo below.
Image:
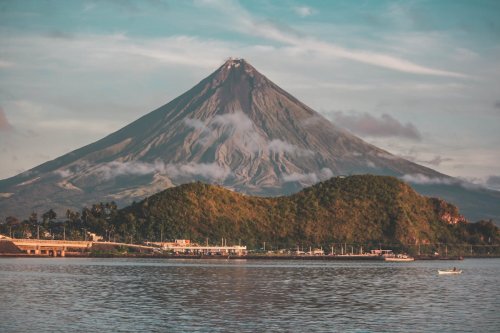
(449, 271)
(399, 258)
(388, 255)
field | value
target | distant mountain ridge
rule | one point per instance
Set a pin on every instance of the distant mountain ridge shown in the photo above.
(235, 128)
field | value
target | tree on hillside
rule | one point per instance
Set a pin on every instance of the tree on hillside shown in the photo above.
(12, 222)
(33, 222)
(33, 218)
(49, 216)
(72, 216)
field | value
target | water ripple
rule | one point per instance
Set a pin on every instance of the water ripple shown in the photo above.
(124, 295)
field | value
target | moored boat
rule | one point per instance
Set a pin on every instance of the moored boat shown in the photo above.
(449, 271)
(399, 258)
(388, 255)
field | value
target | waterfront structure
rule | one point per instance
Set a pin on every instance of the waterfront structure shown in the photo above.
(59, 248)
(49, 247)
(184, 246)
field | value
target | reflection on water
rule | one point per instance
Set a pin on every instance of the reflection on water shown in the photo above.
(49, 295)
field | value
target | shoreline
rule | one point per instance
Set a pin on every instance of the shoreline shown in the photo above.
(234, 257)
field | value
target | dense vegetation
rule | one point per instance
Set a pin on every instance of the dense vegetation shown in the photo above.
(369, 210)
(358, 209)
(74, 225)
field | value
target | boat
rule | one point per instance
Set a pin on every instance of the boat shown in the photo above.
(388, 255)
(449, 271)
(399, 258)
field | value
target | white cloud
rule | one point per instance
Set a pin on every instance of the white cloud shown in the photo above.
(425, 180)
(303, 11)
(211, 171)
(314, 120)
(75, 169)
(115, 169)
(196, 124)
(325, 173)
(386, 156)
(437, 160)
(420, 179)
(308, 178)
(248, 24)
(64, 173)
(493, 182)
(279, 146)
(370, 164)
(240, 128)
(238, 121)
(365, 124)
(110, 52)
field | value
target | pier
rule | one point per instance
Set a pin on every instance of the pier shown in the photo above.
(54, 248)
(59, 248)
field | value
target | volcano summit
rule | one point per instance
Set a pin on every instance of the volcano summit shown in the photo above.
(235, 128)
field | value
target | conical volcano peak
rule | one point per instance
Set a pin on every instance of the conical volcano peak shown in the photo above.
(234, 84)
(235, 128)
(236, 68)
(233, 63)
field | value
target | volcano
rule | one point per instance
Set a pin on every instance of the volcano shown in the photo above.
(235, 128)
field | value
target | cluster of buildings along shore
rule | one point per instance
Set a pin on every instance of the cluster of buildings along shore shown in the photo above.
(59, 248)
(184, 246)
(178, 247)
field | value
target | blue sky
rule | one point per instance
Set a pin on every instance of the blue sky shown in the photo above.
(418, 78)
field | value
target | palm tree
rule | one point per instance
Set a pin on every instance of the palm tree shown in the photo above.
(47, 217)
(33, 221)
(11, 221)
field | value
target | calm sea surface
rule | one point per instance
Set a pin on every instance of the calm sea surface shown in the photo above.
(147, 295)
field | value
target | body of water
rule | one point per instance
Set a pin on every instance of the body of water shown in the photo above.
(149, 295)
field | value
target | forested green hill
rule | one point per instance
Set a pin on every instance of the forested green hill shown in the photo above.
(357, 209)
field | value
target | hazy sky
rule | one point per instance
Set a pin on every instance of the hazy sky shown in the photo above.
(418, 78)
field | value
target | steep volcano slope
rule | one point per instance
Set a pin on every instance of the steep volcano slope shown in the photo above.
(235, 128)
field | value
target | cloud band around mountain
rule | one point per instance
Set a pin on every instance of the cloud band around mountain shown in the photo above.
(111, 170)
(308, 178)
(493, 182)
(280, 146)
(240, 125)
(364, 124)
